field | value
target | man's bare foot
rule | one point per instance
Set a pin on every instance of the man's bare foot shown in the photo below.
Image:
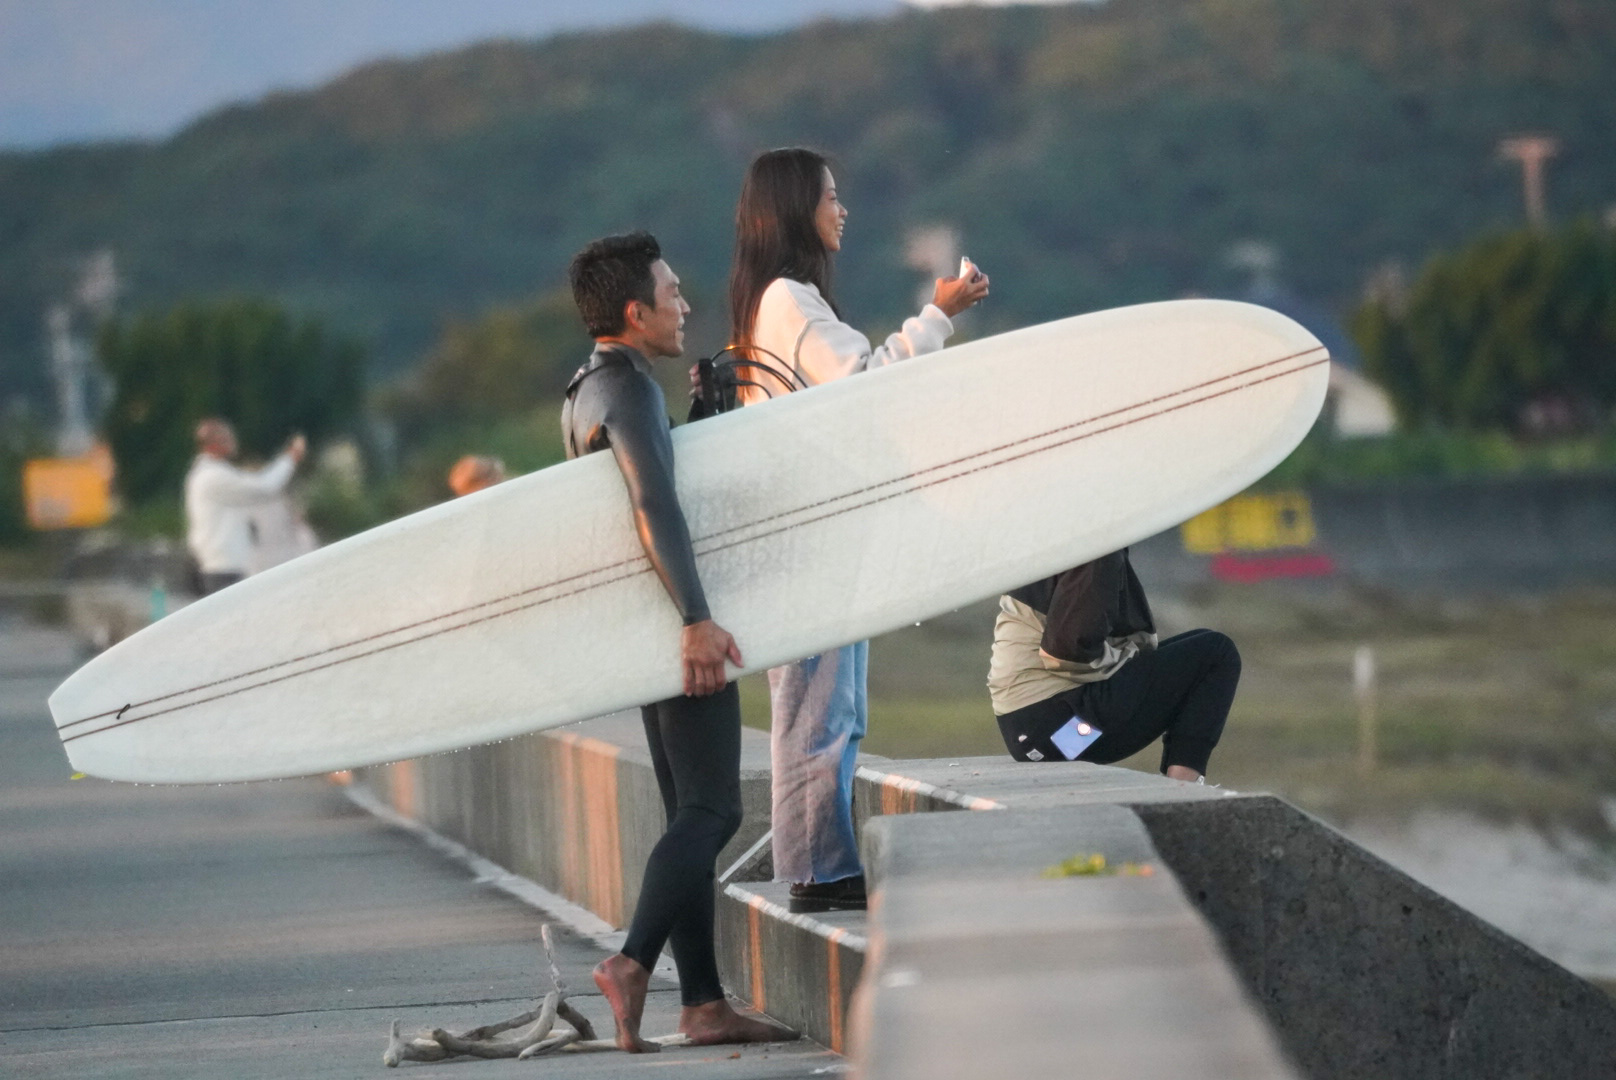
(624, 983)
(715, 1022)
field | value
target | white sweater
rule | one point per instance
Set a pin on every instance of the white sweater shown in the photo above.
(218, 497)
(796, 324)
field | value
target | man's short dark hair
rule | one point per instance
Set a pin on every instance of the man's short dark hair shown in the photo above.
(609, 273)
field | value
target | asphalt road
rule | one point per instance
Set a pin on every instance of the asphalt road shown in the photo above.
(259, 930)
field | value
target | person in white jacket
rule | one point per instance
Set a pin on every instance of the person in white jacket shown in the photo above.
(788, 225)
(220, 498)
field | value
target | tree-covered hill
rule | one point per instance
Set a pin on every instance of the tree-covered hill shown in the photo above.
(1089, 155)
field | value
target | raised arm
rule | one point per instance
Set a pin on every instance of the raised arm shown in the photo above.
(230, 486)
(825, 348)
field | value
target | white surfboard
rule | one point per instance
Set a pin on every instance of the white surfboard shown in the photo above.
(818, 518)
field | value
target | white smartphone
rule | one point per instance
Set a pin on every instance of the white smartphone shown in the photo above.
(1074, 737)
(967, 268)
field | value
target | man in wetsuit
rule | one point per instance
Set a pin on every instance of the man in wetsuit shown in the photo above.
(630, 303)
(1077, 672)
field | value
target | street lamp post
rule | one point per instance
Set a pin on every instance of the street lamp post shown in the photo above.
(1531, 151)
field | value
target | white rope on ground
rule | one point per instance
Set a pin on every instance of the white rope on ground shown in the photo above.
(528, 1035)
(532, 1033)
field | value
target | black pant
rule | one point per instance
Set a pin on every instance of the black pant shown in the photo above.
(696, 750)
(1179, 692)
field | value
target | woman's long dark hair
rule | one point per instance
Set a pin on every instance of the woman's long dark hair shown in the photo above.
(775, 234)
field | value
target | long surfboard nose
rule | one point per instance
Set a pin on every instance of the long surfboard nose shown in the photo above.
(75, 720)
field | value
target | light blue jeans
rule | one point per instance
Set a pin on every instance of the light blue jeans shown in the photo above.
(820, 713)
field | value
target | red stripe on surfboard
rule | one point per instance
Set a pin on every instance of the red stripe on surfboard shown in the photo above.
(645, 568)
(1025, 439)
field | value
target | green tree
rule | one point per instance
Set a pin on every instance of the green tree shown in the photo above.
(1514, 319)
(497, 366)
(248, 361)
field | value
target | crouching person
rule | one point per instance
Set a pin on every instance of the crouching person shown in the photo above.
(1077, 672)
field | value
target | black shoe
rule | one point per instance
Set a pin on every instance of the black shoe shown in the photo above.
(844, 895)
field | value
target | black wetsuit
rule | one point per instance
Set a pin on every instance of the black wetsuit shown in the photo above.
(1179, 692)
(613, 403)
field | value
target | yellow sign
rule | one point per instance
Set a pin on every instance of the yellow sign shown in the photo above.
(1252, 523)
(68, 493)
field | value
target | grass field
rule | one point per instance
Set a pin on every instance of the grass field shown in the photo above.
(1500, 706)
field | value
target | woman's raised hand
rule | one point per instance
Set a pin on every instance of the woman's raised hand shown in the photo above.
(955, 294)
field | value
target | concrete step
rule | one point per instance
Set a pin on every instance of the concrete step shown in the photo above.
(801, 969)
(1098, 975)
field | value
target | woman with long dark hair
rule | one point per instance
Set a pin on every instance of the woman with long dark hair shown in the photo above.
(788, 226)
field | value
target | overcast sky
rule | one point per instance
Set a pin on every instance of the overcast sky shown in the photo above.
(73, 70)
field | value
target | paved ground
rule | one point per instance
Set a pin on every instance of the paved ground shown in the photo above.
(260, 930)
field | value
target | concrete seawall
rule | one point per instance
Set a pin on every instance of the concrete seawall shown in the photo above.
(575, 809)
(1366, 972)
(1262, 943)
(1092, 974)
(1515, 532)
(1481, 533)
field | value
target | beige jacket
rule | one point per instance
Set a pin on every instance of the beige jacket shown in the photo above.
(1022, 674)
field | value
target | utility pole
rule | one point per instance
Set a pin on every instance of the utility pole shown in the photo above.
(1365, 690)
(1531, 151)
(71, 359)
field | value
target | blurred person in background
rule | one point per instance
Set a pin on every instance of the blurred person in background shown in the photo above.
(280, 533)
(220, 498)
(475, 472)
(788, 227)
(1077, 672)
